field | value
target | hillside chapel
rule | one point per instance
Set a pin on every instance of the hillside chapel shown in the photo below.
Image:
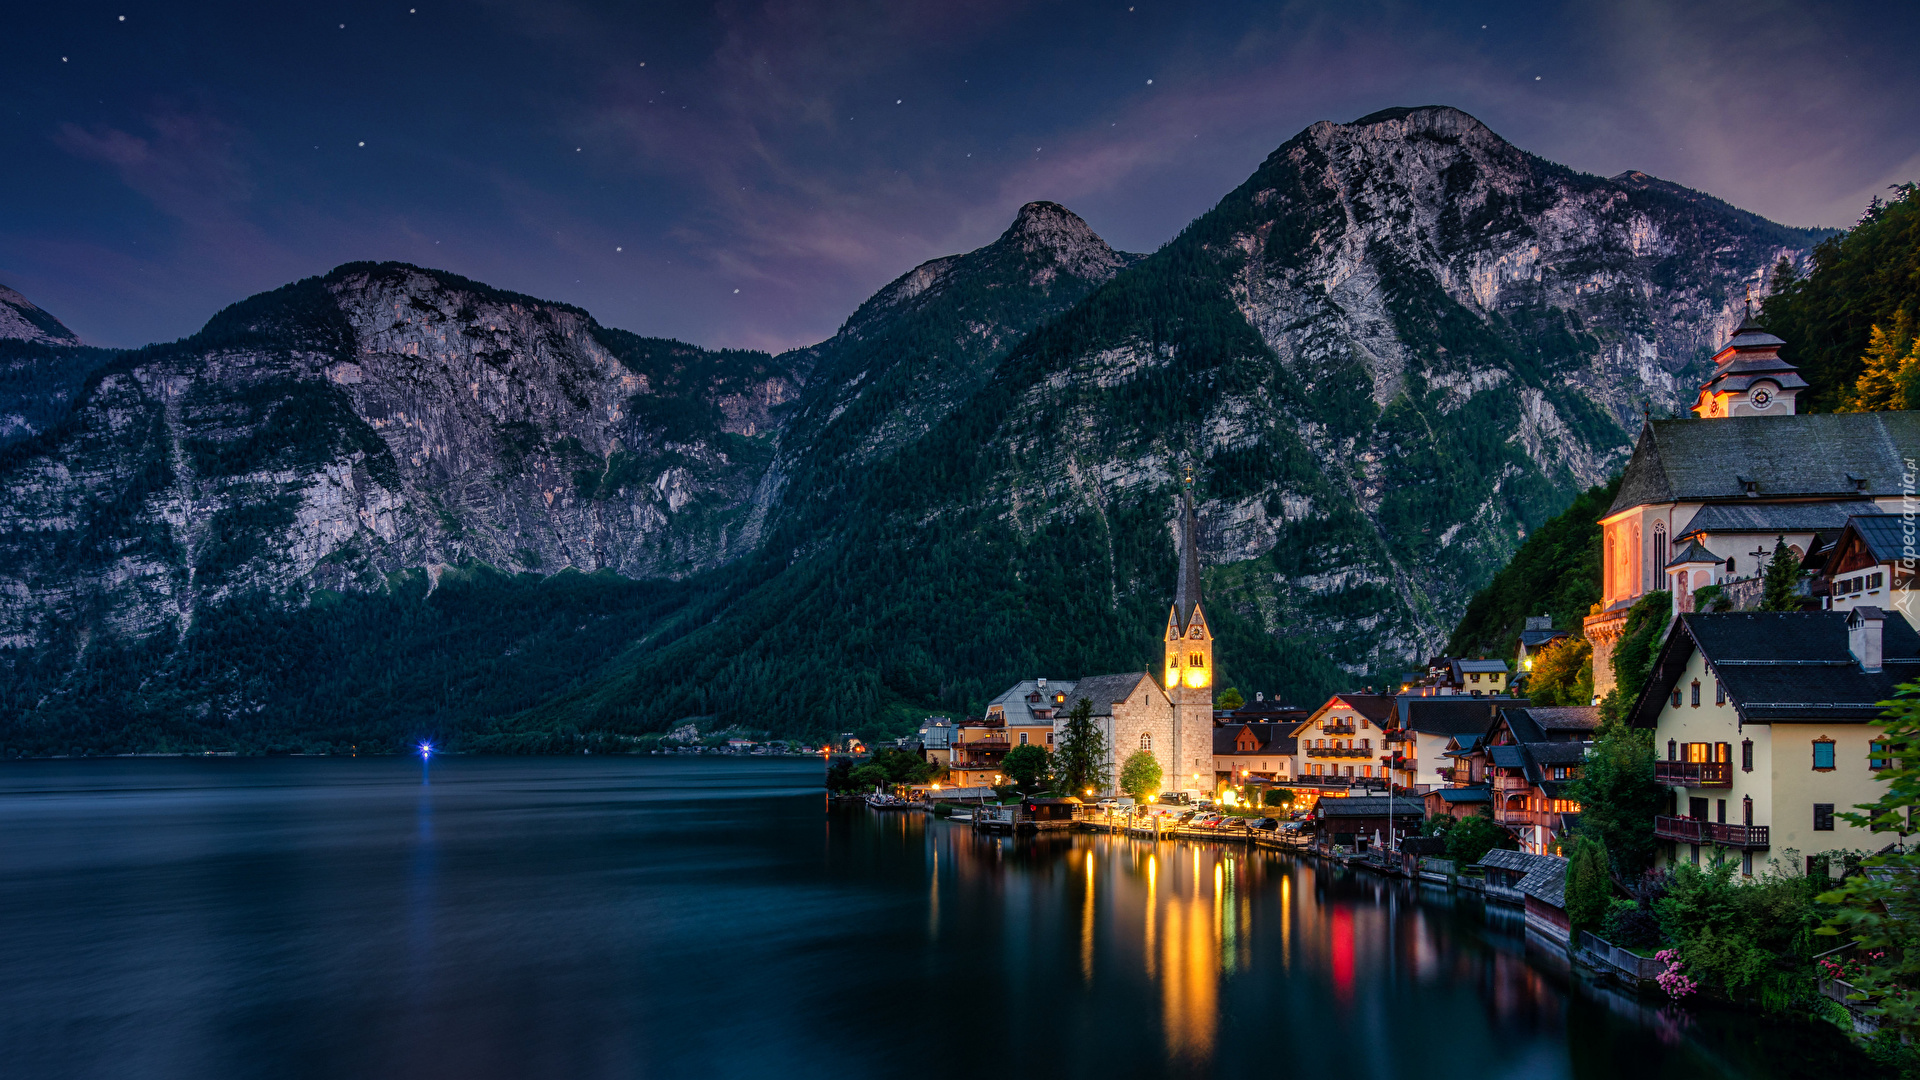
(1173, 720)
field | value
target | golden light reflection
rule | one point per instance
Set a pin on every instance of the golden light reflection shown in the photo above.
(1286, 921)
(1189, 990)
(1086, 926)
(1153, 911)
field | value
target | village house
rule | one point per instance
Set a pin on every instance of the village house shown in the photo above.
(1754, 473)
(1873, 564)
(1537, 634)
(1766, 728)
(1028, 711)
(1428, 726)
(1363, 821)
(1529, 756)
(1244, 752)
(1341, 739)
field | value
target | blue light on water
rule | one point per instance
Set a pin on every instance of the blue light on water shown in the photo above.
(426, 750)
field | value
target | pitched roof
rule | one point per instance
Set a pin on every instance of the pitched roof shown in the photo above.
(1557, 753)
(1885, 535)
(1273, 739)
(1545, 721)
(1450, 714)
(1508, 756)
(1377, 708)
(1504, 859)
(1783, 665)
(1016, 704)
(1104, 691)
(1546, 881)
(1776, 517)
(1533, 639)
(1473, 794)
(1370, 806)
(1693, 552)
(1480, 665)
(1811, 454)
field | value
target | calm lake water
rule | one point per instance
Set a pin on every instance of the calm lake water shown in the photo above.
(589, 918)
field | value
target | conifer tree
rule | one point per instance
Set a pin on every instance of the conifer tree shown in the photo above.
(1783, 573)
(1077, 754)
(1891, 380)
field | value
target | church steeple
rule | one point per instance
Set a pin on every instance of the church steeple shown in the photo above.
(1749, 377)
(1189, 643)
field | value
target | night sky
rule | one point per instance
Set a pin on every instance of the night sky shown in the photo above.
(744, 174)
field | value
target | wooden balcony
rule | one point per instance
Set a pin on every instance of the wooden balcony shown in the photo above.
(1511, 783)
(1337, 729)
(1688, 830)
(1339, 752)
(1700, 774)
(1397, 737)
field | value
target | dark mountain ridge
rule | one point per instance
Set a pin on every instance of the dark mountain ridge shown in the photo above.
(1398, 347)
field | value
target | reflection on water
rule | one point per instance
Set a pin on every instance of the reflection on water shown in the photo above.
(615, 918)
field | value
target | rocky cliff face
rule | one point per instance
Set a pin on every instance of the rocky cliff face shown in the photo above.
(1390, 353)
(22, 320)
(1395, 349)
(343, 428)
(929, 340)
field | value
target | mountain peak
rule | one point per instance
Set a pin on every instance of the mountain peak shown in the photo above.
(20, 318)
(1406, 121)
(1048, 227)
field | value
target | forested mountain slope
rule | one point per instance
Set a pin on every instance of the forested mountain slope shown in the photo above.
(1394, 351)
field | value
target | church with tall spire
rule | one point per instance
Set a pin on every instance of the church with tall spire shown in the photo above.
(1189, 662)
(1171, 719)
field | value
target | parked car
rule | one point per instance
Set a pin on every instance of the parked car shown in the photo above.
(1266, 823)
(1176, 798)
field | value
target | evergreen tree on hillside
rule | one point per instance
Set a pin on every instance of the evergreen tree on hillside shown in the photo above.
(1860, 280)
(1892, 376)
(1557, 571)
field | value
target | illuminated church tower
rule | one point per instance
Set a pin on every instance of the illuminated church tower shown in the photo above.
(1189, 666)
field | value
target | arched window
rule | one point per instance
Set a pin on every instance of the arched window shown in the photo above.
(1146, 741)
(1659, 547)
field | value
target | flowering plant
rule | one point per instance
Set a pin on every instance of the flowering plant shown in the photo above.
(1851, 967)
(1676, 984)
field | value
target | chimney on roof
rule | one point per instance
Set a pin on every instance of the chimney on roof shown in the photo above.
(1042, 683)
(1863, 636)
(1259, 695)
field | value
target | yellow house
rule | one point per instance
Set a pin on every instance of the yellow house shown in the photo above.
(1765, 729)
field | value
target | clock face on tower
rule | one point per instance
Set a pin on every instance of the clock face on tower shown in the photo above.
(1762, 398)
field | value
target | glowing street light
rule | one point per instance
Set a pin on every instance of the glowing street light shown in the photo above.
(426, 750)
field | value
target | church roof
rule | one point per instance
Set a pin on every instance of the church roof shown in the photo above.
(1777, 517)
(1693, 552)
(1850, 455)
(1106, 691)
(1186, 596)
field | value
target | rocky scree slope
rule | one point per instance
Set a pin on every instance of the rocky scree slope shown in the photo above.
(342, 428)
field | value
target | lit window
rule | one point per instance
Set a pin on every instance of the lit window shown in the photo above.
(1823, 754)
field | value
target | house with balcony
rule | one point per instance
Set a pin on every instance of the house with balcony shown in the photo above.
(1748, 471)
(1428, 726)
(1342, 738)
(1766, 727)
(1528, 757)
(1028, 709)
